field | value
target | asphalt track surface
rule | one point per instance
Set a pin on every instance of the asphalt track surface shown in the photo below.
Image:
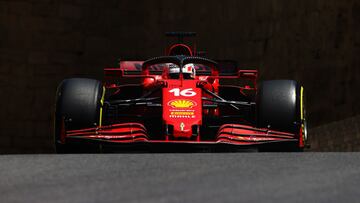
(181, 177)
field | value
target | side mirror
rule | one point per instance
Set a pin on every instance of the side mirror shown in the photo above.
(248, 74)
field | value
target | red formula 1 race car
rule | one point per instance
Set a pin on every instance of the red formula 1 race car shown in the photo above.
(180, 100)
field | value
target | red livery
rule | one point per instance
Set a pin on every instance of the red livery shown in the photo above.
(180, 99)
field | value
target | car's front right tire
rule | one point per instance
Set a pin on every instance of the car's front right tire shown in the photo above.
(78, 106)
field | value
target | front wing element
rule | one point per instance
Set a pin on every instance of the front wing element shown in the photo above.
(243, 135)
(233, 134)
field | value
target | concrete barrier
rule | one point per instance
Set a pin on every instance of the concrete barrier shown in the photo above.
(341, 135)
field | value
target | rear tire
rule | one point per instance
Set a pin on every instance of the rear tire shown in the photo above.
(78, 104)
(280, 107)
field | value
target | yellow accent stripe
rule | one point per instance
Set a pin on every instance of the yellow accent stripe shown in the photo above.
(302, 114)
(101, 108)
(301, 103)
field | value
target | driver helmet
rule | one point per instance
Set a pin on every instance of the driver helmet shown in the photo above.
(188, 71)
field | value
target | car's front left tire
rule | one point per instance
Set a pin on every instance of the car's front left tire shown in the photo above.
(281, 107)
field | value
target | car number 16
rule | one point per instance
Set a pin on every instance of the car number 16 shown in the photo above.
(185, 92)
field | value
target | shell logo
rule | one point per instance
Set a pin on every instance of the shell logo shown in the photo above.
(182, 103)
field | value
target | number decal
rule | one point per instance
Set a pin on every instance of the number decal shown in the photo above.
(176, 92)
(188, 92)
(185, 93)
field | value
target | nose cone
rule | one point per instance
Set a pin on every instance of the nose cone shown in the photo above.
(182, 108)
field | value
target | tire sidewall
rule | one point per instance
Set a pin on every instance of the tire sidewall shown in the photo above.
(78, 103)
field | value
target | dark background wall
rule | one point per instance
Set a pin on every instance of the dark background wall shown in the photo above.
(45, 41)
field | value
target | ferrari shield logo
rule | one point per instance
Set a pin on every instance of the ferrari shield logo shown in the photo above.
(182, 126)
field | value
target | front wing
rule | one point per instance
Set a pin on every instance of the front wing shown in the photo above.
(135, 133)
